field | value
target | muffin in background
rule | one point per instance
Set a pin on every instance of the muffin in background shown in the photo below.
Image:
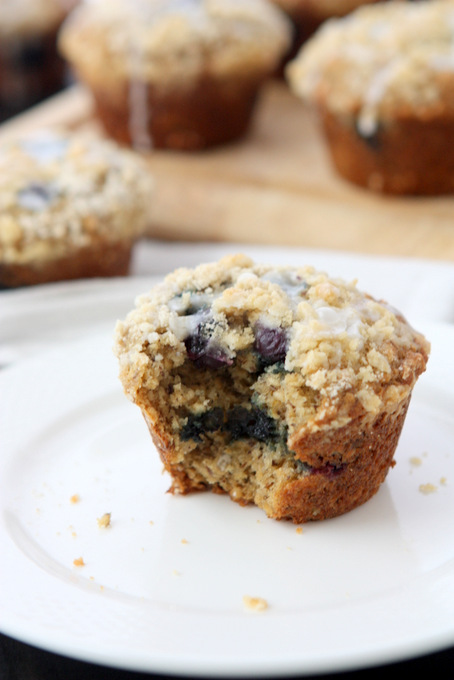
(308, 15)
(279, 386)
(382, 82)
(30, 67)
(70, 208)
(176, 74)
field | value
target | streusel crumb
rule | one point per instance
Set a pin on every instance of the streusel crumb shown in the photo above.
(104, 521)
(427, 489)
(255, 604)
(416, 461)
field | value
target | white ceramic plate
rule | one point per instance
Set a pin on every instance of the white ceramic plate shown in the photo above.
(162, 589)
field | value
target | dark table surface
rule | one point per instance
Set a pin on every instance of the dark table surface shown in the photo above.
(19, 661)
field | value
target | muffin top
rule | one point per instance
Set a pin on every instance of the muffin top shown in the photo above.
(382, 62)
(23, 18)
(331, 336)
(58, 192)
(154, 40)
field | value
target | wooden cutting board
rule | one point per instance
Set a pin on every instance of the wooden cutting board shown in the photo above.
(276, 186)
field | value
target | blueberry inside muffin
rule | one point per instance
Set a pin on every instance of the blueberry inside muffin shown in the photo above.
(279, 386)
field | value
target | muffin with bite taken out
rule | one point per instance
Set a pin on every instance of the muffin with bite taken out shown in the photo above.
(279, 386)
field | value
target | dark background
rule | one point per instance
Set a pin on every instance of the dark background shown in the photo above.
(19, 661)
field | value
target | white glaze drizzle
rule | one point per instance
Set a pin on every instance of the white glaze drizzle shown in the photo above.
(184, 326)
(337, 320)
(290, 282)
(367, 121)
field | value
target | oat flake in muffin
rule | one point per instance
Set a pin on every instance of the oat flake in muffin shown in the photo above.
(278, 386)
(382, 80)
(70, 207)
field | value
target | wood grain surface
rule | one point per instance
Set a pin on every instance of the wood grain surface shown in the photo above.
(276, 186)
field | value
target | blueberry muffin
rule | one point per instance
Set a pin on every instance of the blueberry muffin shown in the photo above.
(308, 15)
(30, 66)
(177, 74)
(70, 207)
(382, 82)
(278, 386)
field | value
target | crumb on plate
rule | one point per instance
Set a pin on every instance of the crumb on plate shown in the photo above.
(416, 461)
(104, 521)
(255, 604)
(426, 489)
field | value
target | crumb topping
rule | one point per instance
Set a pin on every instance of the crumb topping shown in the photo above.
(381, 61)
(59, 192)
(324, 337)
(157, 40)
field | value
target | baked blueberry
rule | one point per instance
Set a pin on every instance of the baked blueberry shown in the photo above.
(198, 425)
(203, 350)
(250, 423)
(270, 343)
(371, 135)
(37, 196)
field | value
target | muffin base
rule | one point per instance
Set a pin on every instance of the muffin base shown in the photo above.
(354, 461)
(363, 455)
(209, 113)
(397, 158)
(99, 260)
